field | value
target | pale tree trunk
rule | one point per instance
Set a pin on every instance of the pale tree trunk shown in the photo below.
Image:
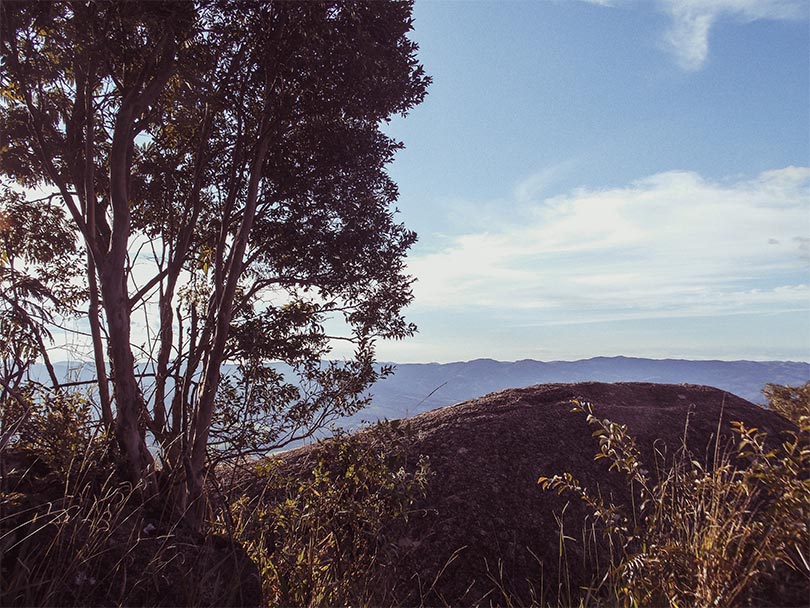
(130, 423)
(222, 313)
(131, 419)
(90, 214)
(110, 264)
(98, 347)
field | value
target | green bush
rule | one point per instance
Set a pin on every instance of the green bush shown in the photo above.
(328, 536)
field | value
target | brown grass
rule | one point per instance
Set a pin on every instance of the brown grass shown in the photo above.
(715, 534)
(329, 530)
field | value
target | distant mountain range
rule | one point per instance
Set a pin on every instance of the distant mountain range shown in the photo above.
(417, 387)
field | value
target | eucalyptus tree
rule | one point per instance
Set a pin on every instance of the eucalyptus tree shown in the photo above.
(223, 166)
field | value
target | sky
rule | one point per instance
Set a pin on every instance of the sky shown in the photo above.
(601, 178)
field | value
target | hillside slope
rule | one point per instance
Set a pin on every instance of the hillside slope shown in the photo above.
(485, 519)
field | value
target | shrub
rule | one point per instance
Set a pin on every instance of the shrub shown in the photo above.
(707, 535)
(328, 536)
(59, 430)
(792, 402)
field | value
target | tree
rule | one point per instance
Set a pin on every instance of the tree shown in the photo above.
(36, 283)
(223, 166)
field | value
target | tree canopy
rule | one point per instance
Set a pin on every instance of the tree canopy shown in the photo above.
(200, 183)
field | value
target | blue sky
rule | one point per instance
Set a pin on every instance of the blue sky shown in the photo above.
(603, 178)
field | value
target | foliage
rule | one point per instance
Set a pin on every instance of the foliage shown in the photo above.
(700, 535)
(221, 166)
(38, 266)
(329, 536)
(60, 432)
(77, 536)
(328, 527)
(792, 402)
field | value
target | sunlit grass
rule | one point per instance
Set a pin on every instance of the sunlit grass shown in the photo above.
(698, 534)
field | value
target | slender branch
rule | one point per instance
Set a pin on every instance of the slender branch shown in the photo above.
(148, 286)
(27, 407)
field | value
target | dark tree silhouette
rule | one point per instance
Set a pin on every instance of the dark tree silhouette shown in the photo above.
(222, 165)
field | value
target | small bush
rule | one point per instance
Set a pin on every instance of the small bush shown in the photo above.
(59, 430)
(328, 537)
(700, 535)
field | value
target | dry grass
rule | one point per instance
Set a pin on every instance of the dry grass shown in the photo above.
(715, 534)
(73, 534)
(330, 530)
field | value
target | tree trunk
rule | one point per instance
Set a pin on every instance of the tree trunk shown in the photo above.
(222, 314)
(130, 424)
(131, 409)
(98, 347)
(88, 179)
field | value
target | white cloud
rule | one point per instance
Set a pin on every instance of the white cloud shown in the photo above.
(672, 244)
(687, 36)
(601, 2)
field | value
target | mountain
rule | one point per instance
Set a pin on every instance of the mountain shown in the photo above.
(418, 387)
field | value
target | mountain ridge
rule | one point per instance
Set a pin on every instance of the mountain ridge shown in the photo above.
(417, 387)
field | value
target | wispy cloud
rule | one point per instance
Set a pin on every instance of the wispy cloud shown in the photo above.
(538, 183)
(672, 244)
(692, 20)
(687, 36)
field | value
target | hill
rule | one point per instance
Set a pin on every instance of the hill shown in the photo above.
(414, 388)
(485, 523)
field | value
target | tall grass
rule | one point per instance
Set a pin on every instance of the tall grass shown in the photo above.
(73, 534)
(331, 528)
(717, 534)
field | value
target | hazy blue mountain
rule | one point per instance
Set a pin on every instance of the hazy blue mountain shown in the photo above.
(418, 387)
(415, 388)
